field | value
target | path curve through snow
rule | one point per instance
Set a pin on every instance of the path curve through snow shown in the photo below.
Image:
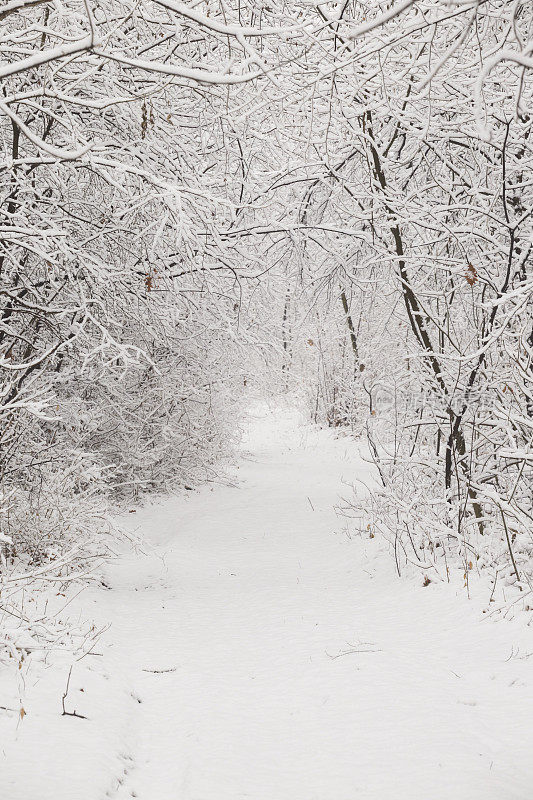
(260, 653)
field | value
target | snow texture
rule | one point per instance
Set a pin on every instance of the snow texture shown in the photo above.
(257, 651)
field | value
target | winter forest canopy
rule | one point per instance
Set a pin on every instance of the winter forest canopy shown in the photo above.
(332, 201)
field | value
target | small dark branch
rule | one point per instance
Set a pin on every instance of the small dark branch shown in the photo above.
(509, 544)
(65, 712)
(160, 671)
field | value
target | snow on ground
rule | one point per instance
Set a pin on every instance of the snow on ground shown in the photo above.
(256, 651)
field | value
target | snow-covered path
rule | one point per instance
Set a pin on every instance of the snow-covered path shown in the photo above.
(260, 653)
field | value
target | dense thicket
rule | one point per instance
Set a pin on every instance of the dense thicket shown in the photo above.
(406, 215)
(427, 203)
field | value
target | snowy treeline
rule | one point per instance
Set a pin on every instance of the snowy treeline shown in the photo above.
(118, 357)
(433, 125)
(332, 198)
(407, 212)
